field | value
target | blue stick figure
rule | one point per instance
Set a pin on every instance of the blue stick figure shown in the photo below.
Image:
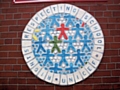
(56, 68)
(77, 29)
(63, 60)
(47, 32)
(54, 20)
(47, 60)
(40, 42)
(69, 21)
(78, 57)
(70, 41)
(71, 68)
(85, 41)
(36, 54)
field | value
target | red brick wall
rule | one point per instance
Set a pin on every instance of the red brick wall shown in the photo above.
(14, 73)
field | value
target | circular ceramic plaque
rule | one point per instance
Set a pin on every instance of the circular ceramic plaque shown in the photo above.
(62, 44)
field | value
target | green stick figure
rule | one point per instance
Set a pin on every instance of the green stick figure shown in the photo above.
(55, 44)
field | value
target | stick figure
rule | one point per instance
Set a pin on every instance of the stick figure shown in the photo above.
(70, 41)
(62, 29)
(54, 20)
(85, 41)
(56, 68)
(47, 60)
(78, 57)
(40, 42)
(55, 44)
(77, 29)
(63, 60)
(71, 68)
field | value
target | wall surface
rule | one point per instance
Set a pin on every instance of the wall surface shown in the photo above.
(14, 73)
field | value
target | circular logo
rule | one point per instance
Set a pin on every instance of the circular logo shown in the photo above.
(62, 44)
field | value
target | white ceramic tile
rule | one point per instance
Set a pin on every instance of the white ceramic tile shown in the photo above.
(61, 8)
(77, 77)
(48, 11)
(26, 43)
(28, 57)
(70, 79)
(97, 55)
(32, 63)
(99, 41)
(36, 69)
(90, 69)
(54, 9)
(37, 18)
(74, 10)
(32, 24)
(98, 34)
(26, 50)
(91, 22)
(99, 48)
(80, 13)
(95, 27)
(68, 8)
(42, 14)
(29, 29)
(86, 17)
(26, 36)
(42, 74)
(94, 62)
(56, 79)
(63, 80)
(84, 73)
(49, 77)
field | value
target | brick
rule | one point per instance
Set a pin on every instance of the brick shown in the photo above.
(108, 14)
(117, 39)
(3, 54)
(26, 87)
(36, 81)
(5, 5)
(116, 86)
(83, 87)
(3, 29)
(8, 48)
(28, 9)
(117, 65)
(16, 67)
(8, 87)
(102, 20)
(99, 14)
(17, 81)
(15, 54)
(115, 59)
(8, 74)
(111, 66)
(9, 16)
(45, 88)
(64, 88)
(116, 1)
(7, 61)
(115, 45)
(8, 67)
(102, 73)
(102, 66)
(3, 80)
(105, 60)
(21, 61)
(113, 7)
(111, 26)
(92, 80)
(8, 22)
(2, 17)
(9, 10)
(26, 15)
(115, 72)
(8, 41)
(23, 22)
(103, 87)
(2, 41)
(116, 13)
(16, 41)
(1, 67)
(25, 74)
(109, 39)
(110, 79)
(114, 32)
(17, 16)
(111, 52)
(16, 28)
(25, 68)
(9, 35)
(98, 8)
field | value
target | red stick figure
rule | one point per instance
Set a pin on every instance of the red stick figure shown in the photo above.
(62, 29)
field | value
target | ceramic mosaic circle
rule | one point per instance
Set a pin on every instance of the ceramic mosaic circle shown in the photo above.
(62, 44)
